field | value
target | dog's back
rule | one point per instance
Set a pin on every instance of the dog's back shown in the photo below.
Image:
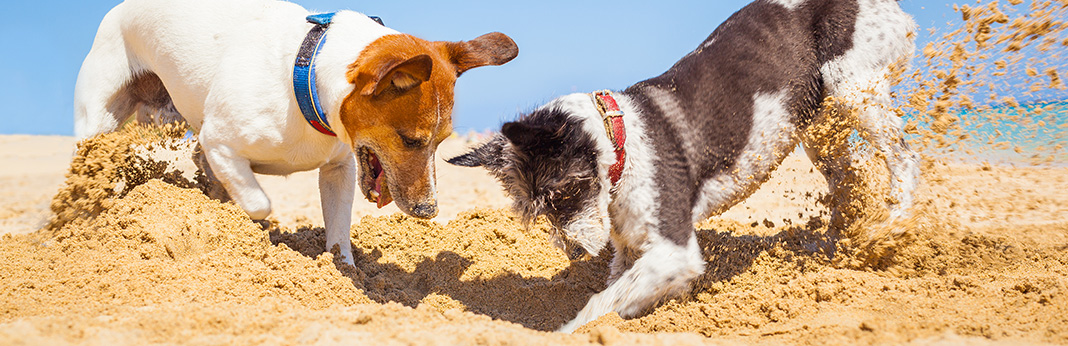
(143, 44)
(767, 69)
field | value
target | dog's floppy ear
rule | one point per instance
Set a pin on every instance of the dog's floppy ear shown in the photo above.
(490, 49)
(520, 134)
(400, 74)
(530, 137)
(489, 155)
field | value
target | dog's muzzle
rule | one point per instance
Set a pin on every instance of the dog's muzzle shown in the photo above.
(571, 248)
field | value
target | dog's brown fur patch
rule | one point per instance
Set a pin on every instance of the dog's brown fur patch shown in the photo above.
(403, 99)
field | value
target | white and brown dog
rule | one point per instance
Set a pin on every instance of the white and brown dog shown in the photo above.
(701, 137)
(250, 75)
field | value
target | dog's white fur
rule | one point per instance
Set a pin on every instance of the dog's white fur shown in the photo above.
(789, 4)
(227, 66)
(771, 137)
(853, 82)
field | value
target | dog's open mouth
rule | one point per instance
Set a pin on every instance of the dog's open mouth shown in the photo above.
(373, 177)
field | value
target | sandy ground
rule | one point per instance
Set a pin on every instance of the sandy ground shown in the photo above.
(985, 262)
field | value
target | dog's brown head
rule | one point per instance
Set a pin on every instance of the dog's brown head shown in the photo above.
(548, 164)
(401, 109)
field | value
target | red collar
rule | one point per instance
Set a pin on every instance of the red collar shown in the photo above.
(617, 133)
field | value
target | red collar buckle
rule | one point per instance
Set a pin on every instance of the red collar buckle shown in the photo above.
(614, 126)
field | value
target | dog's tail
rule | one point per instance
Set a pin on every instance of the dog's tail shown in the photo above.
(112, 85)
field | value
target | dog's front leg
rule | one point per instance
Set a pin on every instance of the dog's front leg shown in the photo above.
(337, 185)
(622, 259)
(665, 269)
(235, 173)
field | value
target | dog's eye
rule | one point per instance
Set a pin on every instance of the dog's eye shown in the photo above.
(412, 143)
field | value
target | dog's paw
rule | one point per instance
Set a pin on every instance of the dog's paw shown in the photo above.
(570, 327)
(347, 259)
(578, 322)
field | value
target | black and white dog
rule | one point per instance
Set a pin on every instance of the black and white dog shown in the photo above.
(702, 137)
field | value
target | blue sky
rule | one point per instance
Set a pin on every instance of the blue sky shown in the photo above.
(565, 46)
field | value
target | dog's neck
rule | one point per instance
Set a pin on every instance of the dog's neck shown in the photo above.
(350, 33)
(636, 178)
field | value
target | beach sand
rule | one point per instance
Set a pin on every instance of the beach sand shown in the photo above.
(984, 262)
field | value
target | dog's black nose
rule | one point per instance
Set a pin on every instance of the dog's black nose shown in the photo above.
(577, 253)
(425, 210)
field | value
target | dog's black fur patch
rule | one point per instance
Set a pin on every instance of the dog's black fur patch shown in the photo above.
(550, 169)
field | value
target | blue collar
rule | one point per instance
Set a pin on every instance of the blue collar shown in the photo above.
(304, 73)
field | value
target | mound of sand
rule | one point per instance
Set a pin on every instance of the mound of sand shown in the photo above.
(154, 262)
(110, 165)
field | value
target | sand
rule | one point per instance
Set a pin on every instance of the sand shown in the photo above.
(115, 242)
(986, 262)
